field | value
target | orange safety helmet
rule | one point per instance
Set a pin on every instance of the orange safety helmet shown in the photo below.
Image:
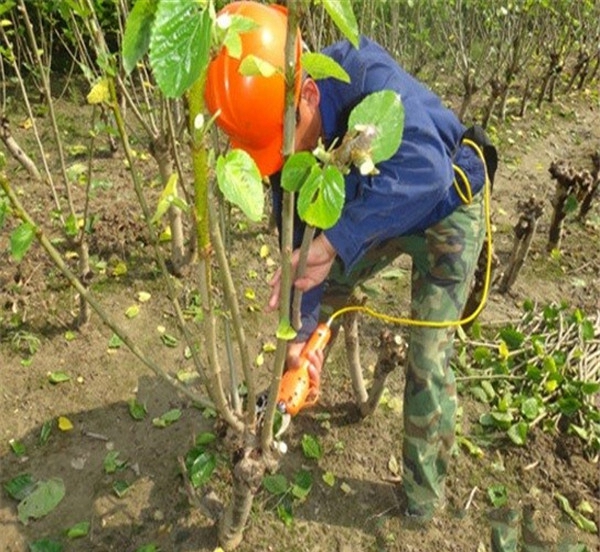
(251, 107)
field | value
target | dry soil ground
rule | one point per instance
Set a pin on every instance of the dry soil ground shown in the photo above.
(360, 510)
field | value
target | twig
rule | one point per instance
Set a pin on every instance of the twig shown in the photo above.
(471, 497)
(93, 435)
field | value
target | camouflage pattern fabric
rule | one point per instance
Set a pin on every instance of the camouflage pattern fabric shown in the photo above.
(505, 530)
(444, 259)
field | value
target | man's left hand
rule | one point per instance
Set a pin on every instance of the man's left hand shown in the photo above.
(321, 255)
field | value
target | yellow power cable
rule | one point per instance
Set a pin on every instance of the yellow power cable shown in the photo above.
(488, 271)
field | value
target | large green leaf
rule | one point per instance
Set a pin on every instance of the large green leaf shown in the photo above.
(296, 170)
(202, 468)
(342, 15)
(321, 198)
(138, 30)
(320, 66)
(240, 182)
(384, 111)
(179, 45)
(42, 500)
(21, 239)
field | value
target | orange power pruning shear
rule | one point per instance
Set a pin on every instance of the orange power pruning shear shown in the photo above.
(297, 391)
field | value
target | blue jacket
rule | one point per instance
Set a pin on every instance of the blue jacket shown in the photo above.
(413, 189)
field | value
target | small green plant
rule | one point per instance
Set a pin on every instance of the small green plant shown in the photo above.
(288, 492)
(543, 371)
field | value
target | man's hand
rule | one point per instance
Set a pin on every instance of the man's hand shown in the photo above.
(321, 255)
(315, 362)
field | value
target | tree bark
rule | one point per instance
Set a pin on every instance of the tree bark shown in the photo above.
(247, 474)
(16, 151)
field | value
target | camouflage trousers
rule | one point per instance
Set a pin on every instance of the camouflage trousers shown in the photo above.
(444, 260)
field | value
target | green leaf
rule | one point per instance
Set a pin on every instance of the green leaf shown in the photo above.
(320, 66)
(296, 170)
(58, 377)
(202, 468)
(5, 7)
(46, 431)
(115, 342)
(71, 228)
(502, 419)
(587, 330)
(45, 496)
(590, 387)
(252, 65)
(17, 447)
(479, 393)
(20, 486)
(205, 438)
(276, 484)
(167, 418)
(285, 330)
(228, 30)
(342, 15)
(168, 197)
(329, 478)
(302, 485)
(285, 513)
(240, 182)
(45, 545)
(481, 353)
(498, 495)
(571, 204)
(137, 410)
(3, 211)
(169, 340)
(384, 111)
(21, 239)
(578, 518)
(120, 488)
(112, 463)
(148, 548)
(311, 447)
(513, 338)
(530, 408)
(179, 45)
(138, 29)
(321, 199)
(79, 530)
(518, 433)
(569, 405)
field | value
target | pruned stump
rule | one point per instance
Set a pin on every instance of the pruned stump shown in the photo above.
(530, 213)
(391, 354)
(583, 185)
(479, 281)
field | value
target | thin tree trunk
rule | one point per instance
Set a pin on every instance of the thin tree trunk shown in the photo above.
(16, 151)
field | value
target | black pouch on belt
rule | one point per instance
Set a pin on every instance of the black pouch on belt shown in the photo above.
(477, 134)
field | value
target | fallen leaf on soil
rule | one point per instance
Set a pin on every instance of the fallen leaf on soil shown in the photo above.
(393, 465)
(132, 311)
(44, 497)
(79, 530)
(143, 296)
(58, 377)
(64, 424)
(167, 418)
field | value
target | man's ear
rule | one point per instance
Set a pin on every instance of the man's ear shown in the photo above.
(310, 92)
